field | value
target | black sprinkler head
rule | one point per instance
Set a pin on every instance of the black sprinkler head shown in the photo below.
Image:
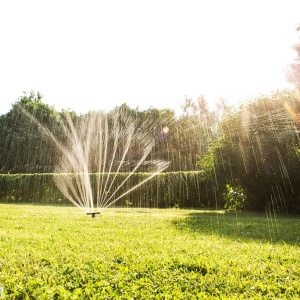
(93, 214)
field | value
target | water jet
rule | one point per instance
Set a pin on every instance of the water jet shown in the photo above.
(94, 150)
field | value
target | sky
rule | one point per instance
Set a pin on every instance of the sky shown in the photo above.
(94, 54)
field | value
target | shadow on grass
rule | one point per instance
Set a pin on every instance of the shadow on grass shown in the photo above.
(243, 226)
(131, 211)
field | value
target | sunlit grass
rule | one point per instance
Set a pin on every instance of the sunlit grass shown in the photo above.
(60, 253)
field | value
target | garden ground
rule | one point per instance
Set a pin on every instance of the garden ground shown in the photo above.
(49, 252)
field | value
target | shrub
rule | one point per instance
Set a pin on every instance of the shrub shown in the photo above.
(234, 198)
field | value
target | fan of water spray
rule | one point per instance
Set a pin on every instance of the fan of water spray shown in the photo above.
(93, 153)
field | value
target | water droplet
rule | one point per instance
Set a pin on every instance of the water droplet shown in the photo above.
(166, 130)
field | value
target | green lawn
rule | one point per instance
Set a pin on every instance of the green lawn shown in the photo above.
(60, 253)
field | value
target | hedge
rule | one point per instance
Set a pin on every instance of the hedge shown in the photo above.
(167, 189)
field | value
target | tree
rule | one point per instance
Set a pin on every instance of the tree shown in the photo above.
(293, 72)
(257, 149)
(24, 147)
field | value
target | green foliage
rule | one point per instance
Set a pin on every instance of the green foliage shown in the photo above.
(24, 147)
(59, 253)
(165, 190)
(208, 162)
(234, 198)
(256, 148)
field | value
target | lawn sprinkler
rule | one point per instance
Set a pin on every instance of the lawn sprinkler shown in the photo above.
(93, 214)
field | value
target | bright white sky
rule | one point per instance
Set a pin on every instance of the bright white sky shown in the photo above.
(96, 54)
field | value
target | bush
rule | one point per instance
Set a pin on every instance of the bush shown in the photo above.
(234, 198)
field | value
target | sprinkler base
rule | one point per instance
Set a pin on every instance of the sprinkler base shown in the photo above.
(93, 214)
